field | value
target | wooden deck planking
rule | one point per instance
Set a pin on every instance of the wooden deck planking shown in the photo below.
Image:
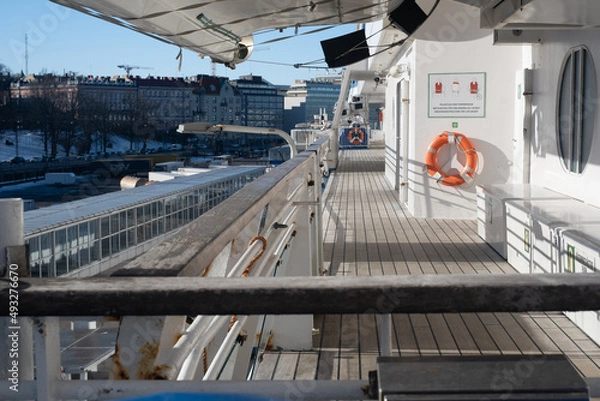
(307, 366)
(464, 340)
(480, 334)
(286, 366)
(368, 232)
(405, 340)
(268, 365)
(513, 328)
(443, 335)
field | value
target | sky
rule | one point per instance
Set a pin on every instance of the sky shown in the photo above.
(64, 40)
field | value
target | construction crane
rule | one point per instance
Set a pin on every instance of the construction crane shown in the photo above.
(128, 68)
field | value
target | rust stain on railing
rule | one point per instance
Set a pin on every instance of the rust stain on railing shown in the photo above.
(119, 372)
(146, 369)
(254, 259)
(148, 353)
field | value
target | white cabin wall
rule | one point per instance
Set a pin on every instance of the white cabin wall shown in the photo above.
(547, 168)
(491, 135)
(391, 123)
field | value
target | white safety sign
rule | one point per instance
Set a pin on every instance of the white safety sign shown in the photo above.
(457, 94)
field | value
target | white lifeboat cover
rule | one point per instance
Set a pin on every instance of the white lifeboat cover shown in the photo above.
(222, 29)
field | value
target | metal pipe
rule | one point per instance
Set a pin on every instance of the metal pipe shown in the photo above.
(404, 90)
(208, 128)
(190, 341)
(261, 131)
(222, 354)
(201, 332)
(190, 365)
(245, 259)
(527, 124)
(398, 126)
(386, 334)
(280, 239)
(284, 240)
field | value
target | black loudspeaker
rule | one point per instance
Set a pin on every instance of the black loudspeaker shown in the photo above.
(346, 49)
(407, 17)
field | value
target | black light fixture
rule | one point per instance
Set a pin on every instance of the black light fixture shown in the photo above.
(407, 17)
(345, 50)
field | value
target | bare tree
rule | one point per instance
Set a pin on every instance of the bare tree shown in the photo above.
(143, 123)
(94, 117)
(4, 70)
(67, 138)
(135, 117)
(50, 99)
(145, 131)
(7, 108)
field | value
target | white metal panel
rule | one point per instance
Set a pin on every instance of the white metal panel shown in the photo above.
(548, 219)
(580, 253)
(580, 249)
(518, 237)
(533, 227)
(491, 216)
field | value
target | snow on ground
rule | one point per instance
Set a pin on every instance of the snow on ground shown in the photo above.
(31, 144)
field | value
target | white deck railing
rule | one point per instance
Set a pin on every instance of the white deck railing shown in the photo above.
(258, 254)
(272, 227)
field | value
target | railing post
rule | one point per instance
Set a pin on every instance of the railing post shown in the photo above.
(47, 357)
(386, 334)
(317, 224)
(11, 216)
(16, 346)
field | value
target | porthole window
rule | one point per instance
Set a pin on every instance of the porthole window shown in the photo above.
(576, 109)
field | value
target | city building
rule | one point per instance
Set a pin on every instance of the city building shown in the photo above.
(306, 99)
(114, 95)
(218, 101)
(171, 100)
(262, 102)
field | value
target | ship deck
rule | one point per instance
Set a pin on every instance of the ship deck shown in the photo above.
(367, 232)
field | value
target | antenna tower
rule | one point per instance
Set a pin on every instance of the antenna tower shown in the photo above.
(26, 56)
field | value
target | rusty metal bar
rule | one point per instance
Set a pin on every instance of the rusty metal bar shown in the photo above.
(305, 295)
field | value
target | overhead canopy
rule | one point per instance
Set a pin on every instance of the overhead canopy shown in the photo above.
(222, 29)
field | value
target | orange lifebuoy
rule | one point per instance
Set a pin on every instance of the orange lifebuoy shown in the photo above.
(463, 143)
(356, 136)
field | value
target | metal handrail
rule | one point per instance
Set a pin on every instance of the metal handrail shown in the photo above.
(305, 295)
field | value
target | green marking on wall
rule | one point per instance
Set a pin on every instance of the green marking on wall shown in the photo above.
(571, 258)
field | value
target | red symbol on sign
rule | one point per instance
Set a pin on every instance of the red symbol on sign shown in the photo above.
(438, 88)
(474, 85)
